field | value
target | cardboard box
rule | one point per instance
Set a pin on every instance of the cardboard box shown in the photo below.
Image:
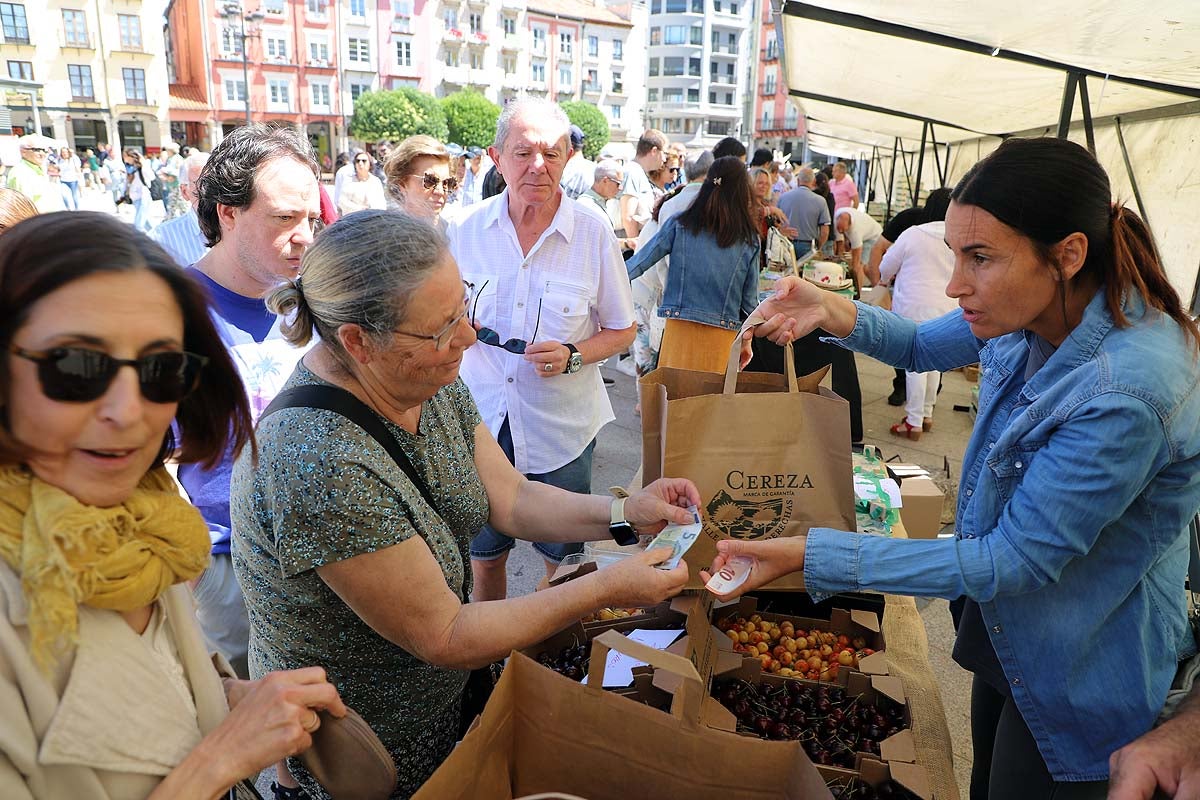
(872, 772)
(922, 509)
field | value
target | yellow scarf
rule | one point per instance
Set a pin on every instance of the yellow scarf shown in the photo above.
(119, 558)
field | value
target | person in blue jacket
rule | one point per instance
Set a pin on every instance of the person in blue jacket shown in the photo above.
(1082, 473)
(712, 280)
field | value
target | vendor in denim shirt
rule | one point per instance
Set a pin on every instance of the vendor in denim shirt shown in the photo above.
(1079, 481)
(712, 283)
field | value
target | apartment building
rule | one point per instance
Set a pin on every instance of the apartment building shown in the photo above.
(101, 64)
(698, 70)
(778, 124)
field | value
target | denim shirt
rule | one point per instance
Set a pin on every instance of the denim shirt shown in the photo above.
(1077, 488)
(706, 283)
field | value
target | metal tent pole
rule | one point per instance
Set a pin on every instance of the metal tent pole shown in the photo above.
(921, 162)
(1088, 130)
(1137, 195)
(887, 216)
(1068, 102)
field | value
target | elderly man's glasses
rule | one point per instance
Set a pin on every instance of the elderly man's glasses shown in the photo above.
(490, 337)
(362, 161)
(430, 180)
(36, 149)
(442, 337)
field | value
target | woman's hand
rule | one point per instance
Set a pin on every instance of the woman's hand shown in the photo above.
(634, 581)
(773, 559)
(796, 309)
(665, 500)
(269, 720)
(1166, 758)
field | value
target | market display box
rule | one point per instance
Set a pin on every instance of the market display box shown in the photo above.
(848, 785)
(921, 498)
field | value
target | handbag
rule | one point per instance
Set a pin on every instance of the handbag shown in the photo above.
(481, 681)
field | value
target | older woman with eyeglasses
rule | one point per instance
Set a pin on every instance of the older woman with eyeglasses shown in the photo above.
(363, 190)
(418, 176)
(353, 547)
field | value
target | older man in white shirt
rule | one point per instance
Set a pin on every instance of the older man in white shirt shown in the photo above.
(181, 237)
(546, 271)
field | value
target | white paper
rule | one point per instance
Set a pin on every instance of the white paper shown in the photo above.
(864, 489)
(618, 670)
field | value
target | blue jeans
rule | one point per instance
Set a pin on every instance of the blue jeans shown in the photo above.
(141, 219)
(803, 247)
(575, 476)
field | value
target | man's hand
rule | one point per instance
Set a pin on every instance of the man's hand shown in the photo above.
(1166, 758)
(665, 500)
(548, 358)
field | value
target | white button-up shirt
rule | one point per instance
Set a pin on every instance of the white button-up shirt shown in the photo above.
(575, 274)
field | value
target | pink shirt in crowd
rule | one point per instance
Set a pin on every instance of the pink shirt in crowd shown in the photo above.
(845, 192)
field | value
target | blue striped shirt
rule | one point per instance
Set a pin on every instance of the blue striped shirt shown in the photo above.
(182, 239)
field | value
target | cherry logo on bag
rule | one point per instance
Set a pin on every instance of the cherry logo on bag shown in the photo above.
(748, 519)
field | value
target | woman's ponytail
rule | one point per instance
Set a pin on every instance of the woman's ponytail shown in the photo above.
(288, 302)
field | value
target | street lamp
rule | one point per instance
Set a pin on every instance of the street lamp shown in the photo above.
(234, 11)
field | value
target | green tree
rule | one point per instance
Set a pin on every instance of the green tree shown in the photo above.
(396, 115)
(471, 118)
(592, 122)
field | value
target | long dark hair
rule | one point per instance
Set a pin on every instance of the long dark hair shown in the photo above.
(1046, 189)
(47, 252)
(936, 204)
(722, 207)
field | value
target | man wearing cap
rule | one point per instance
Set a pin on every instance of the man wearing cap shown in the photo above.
(472, 184)
(31, 177)
(580, 173)
(170, 173)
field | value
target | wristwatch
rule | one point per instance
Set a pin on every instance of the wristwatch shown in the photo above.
(619, 528)
(574, 362)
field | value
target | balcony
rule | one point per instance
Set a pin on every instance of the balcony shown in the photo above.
(539, 48)
(511, 42)
(617, 90)
(537, 86)
(132, 48)
(590, 88)
(590, 58)
(452, 35)
(769, 89)
(514, 5)
(479, 39)
(722, 80)
(512, 80)
(479, 77)
(319, 63)
(725, 50)
(457, 75)
(770, 54)
(401, 24)
(565, 88)
(477, 4)
(74, 42)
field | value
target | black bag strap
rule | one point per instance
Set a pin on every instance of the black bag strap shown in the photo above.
(339, 401)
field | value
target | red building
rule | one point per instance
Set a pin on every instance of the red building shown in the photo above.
(778, 123)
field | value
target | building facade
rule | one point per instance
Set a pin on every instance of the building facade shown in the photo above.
(102, 65)
(778, 124)
(698, 70)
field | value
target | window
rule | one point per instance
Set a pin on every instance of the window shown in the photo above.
(359, 50)
(769, 82)
(614, 111)
(717, 5)
(75, 26)
(317, 8)
(712, 97)
(656, 7)
(135, 84)
(12, 20)
(697, 6)
(618, 49)
(591, 81)
(276, 47)
(729, 74)
(675, 34)
(510, 64)
(766, 121)
(452, 57)
(280, 92)
(694, 67)
(476, 23)
(653, 67)
(81, 81)
(539, 41)
(476, 59)
(697, 34)
(510, 26)
(450, 18)
(131, 31)
(20, 70)
(652, 95)
(670, 125)
(690, 125)
(320, 94)
(672, 95)
(693, 95)
(231, 42)
(358, 8)
(718, 127)
(235, 91)
(273, 6)
(655, 36)
(318, 51)
(358, 89)
(731, 43)
(733, 8)
(538, 73)
(772, 48)
(564, 77)
(676, 6)
(618, 85)
(593, 46)
(404, 52)
(673, 65)
(565, 42)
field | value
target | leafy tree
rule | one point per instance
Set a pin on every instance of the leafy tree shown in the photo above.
(397, 114)
(471, 118)
(592, 122)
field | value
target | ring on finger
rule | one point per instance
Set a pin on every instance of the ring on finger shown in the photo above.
(312, 724)
(548, 367)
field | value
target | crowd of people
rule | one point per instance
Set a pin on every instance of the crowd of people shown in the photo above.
(367, 394)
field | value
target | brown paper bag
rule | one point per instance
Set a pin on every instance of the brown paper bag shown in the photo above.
(769, 453)
(542, 732)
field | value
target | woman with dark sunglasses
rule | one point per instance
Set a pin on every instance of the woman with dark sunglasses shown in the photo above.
(348, 562)
(106, 687)
(418, 177)
(362, 189)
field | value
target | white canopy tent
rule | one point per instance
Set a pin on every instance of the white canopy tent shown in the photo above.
(942, 81)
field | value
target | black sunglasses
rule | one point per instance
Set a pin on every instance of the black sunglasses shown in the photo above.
(362, 161)
(80, 375)
(429, 180)
(490, 337)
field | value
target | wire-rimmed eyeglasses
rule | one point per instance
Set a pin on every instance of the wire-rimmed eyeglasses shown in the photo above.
(442, 337)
